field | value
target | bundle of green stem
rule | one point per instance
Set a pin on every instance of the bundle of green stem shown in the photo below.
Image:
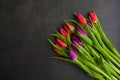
(86, 45)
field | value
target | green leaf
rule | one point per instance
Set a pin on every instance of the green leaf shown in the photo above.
(54, 45)
(58, 35)
(51, 43)
(68, 40)
(63, 59)
(85, 53)
(74, 21)
(94, 53)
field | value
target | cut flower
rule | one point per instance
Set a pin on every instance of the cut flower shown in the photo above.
(86, 45)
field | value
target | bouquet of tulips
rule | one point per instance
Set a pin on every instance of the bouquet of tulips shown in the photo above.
(83, 43)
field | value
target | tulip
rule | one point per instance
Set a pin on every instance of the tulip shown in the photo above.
(93, 16)
(76, 39)
(81, 31)
(63, 32)
(89, 24)
(81, 19)
(69, 28)
(61, 43)
(66, 27)
(57, 51)
(72, 55)
(73, 45)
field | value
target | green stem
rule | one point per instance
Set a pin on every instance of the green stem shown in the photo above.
(111, 54)
(106, 40)
(106, 55)
(85, 53)
(104, 46)
(99, 48)
(89, 71)
(114, 69)
(94, 67)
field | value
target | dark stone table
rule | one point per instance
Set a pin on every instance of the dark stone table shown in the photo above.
(24, 27)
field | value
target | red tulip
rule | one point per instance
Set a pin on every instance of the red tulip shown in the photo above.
(57, 51)
(81, 19)
(66, 27)
(69, 28)
(93, 16)
(61, 43)
(63, 32)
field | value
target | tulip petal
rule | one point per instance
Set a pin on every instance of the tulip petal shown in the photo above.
(93, 16)
(61, 42)
(81, 19)
(81, 31)
(72, 55)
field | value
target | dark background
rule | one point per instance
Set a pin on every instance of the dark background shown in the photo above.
(24, 28)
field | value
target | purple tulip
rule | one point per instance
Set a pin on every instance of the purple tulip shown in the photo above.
(88, 23)
(72, 55)
(81, 31)
(74, 46)
(76, 39)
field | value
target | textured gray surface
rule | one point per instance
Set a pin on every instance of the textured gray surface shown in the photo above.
(24, 25)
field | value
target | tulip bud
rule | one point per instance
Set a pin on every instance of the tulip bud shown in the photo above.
(63, 32)
(89, 24)
(57, 51)
(66, 27)
(73, 45)
(61, 43)
(81, 31)
(72, 55)
(93, 16)
(69, 28)
(76, 39)
(81, 19)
